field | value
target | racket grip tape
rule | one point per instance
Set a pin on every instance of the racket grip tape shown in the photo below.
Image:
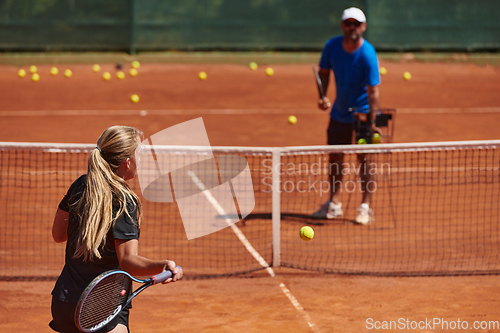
(163, 276)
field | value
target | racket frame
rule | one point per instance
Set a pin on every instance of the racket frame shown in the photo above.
(319, 83)
(159, 278)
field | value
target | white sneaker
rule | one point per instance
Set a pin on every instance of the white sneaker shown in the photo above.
(364, 215)
(329, 210)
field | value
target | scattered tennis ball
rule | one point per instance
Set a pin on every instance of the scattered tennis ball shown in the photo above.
(376, 138)
(202, 75)
(33, 69)
(292, 120)
(306, 233)
(133, 72)
(21, 73)
(68, 73)
(106, 76)
(253, 65)
(362, 141)
(54, 71)
(134, 98)
(120, 75)
(407, 76)
(96, 68)
(383, 71)
(35, 77)
(269, 71)
(136, 64)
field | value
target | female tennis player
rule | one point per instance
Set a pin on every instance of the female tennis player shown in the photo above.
(99, 219)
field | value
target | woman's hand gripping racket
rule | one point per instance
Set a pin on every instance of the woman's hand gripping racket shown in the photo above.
(324, 102)
(107, 295)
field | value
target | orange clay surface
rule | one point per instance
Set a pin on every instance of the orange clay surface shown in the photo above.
(240, 107)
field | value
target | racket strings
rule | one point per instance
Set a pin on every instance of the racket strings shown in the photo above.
(104, 299)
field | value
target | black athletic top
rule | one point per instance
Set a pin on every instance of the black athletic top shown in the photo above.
(77, 273)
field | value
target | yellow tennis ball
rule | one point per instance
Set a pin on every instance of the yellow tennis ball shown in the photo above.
(21, 73)
(253, 65)
(362, 141)
(54, 71)
(202, 75)
(292, 120)
(136, 64)
(407, 75)
(306, 233)
(96, 68)
(376, 138)
(133, 72)
(68, 73)
(383, 71)
(269, 71)
(106, 76)
(120, 75)
(134, 98)
(35, 77)
(33, 69)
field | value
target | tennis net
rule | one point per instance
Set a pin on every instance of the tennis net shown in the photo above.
(436, 211)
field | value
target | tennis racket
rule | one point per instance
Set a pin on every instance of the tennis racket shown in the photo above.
(318, 82)
(107, 295)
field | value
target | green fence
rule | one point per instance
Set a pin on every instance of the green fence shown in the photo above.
(45, 25)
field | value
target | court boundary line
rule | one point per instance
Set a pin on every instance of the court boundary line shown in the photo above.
(246, 243)
(231, 111)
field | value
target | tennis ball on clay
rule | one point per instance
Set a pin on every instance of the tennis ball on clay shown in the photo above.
(376, 138)
(106, 76)
(96, 68)
(136, 64)
(362, 141)
(269, 71)
(253, 65)
(68, 73)
(54, 71)
(407, 76)
(306, 233)
(292, 120)
(120, 75)
(134, 98)
(383, 71)
(202, 75)
(33, 69)
(21, 73)
(133, 72)
(35, 77)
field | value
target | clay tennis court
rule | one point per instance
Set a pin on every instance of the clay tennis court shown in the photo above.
(240, 107)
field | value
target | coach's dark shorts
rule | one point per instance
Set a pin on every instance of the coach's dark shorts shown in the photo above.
(339, 133)
(63, 314)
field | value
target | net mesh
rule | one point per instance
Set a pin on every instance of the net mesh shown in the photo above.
(435, 208)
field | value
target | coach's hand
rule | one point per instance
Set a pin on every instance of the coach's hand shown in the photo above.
(375, 129)
(324, 103)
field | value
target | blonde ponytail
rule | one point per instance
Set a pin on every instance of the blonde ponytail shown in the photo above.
(103, 187)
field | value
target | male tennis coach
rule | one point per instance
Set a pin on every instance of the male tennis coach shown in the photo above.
(355, 66)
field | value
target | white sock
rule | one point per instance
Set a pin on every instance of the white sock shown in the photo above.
(365, 205)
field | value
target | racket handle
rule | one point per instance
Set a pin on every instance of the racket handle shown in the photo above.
(163, 276)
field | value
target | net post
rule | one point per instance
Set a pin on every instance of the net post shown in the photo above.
(276, 207)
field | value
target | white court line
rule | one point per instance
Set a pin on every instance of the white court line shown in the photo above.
(34, 113)
(251, 249)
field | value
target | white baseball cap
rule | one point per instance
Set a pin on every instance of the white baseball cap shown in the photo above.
(354, 13)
